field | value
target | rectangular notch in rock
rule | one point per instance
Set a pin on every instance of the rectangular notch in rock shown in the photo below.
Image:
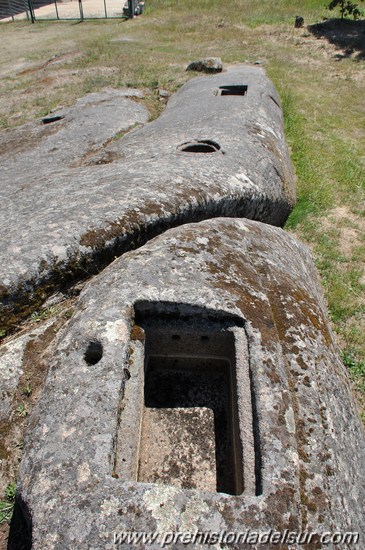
(238, 89)
(187, 417)
(187, 432)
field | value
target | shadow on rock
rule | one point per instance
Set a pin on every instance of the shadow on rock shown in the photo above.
(20, 534)
(345, 34)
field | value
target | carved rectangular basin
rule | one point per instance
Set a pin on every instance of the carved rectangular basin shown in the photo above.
(187, 416)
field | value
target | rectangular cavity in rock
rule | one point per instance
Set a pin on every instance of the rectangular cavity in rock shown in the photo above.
(187, 429)
(233, 90)
(187, 417)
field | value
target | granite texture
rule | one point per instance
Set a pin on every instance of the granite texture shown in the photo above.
(73, 196)
(310, 458)
(228, 302)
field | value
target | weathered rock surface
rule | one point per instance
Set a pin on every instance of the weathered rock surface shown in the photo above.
(234, 290)
(23, 367)
(206, 65)
(12, 356)
(68, 208)
(66, 137)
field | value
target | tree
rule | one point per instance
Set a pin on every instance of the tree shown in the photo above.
(346, 8)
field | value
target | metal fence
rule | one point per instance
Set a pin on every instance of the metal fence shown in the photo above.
(14, 9)
(42, 10)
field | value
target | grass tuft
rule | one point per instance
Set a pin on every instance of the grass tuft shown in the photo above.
(7, 503)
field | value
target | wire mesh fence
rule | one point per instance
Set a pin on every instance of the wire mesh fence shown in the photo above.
(14, 8)
(40, 10)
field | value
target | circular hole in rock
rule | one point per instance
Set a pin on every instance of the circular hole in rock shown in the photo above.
(50, 119)
(93, 353)
(201, 146)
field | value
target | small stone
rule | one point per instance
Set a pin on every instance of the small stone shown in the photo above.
(299, 22)
(206, 65)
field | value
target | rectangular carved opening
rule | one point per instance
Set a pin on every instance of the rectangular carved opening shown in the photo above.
(187, 414)
(187, 430)
(233, 90)
(189, 424)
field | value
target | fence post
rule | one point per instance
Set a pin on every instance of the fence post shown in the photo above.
(31, 11)
(55, 3)
(131, 9)
(81, 10)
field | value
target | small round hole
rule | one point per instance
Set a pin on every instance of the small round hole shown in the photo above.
(200, 146)
(93, 353)
(175, 337)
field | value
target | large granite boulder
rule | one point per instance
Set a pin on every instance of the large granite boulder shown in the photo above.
(74, 196)
(196, 389)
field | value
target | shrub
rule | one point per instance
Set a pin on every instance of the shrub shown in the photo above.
(347, 8)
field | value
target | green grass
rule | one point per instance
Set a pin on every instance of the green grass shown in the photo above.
(323, 114)
(356, 369)
(7, 503)
(252, 12)
(314, 195)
